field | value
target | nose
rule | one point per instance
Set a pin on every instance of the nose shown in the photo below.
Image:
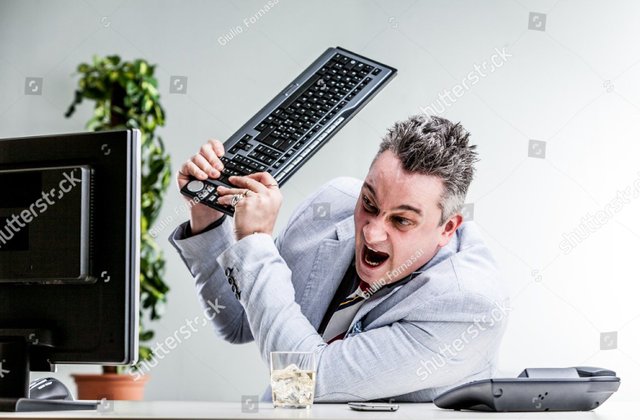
(374, 231)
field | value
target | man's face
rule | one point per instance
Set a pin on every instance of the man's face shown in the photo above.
(396, 221)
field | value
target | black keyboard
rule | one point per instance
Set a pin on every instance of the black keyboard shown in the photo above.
(295, 124)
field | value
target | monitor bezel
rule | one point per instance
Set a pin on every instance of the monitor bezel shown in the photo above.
(108, 152)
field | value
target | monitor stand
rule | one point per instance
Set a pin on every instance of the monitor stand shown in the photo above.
(23, 350)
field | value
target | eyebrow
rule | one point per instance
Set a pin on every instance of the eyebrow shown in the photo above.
(400, 207)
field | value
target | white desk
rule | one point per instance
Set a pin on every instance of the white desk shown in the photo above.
(216, 410)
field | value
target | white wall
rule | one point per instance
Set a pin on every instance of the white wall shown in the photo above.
(574, 85)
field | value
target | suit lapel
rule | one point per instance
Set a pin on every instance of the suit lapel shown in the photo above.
(372, 310)
(332, 261)
(379, 300)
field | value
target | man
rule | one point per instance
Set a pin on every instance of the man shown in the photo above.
(382, 280)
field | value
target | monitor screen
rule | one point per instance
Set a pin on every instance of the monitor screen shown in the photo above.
(42, 204)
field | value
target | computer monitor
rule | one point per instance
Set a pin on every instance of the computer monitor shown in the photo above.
(69, 254)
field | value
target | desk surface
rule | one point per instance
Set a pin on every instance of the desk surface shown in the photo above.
(227, 410)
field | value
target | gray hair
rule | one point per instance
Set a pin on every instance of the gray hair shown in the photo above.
(432, 145)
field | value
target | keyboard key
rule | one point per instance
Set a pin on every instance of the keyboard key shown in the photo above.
(264, 133)
(282, 145)
(223, 178)
(286, 145)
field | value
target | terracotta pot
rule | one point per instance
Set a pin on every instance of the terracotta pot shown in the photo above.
(111, 386)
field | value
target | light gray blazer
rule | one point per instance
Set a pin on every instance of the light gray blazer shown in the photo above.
(411, 343)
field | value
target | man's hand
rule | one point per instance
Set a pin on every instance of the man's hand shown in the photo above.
(257, 210)
(205, 164)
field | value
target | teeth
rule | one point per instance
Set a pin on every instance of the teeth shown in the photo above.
(373, 250)
(373, 263)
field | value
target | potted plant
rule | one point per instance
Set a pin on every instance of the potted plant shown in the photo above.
(126, 96)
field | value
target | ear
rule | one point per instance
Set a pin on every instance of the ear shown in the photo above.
(449, 229)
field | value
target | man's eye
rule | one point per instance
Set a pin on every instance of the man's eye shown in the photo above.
(402, 221)
(367, 205)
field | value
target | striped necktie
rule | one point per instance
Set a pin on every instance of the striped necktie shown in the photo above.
(344, 314)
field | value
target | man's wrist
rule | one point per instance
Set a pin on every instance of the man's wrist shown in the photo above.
(189, 233)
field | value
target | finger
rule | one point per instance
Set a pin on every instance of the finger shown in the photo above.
(247, 182)
(226, 200)
(222, 190)
(264, 178)
(207, 151)
(217, 147)
(205, 166)
(193, 170)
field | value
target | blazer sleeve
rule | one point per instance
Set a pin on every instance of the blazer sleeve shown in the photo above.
(213, 287)
(219, 302)
(412, 354)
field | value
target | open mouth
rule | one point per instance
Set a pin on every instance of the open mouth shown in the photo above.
(372, 257)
